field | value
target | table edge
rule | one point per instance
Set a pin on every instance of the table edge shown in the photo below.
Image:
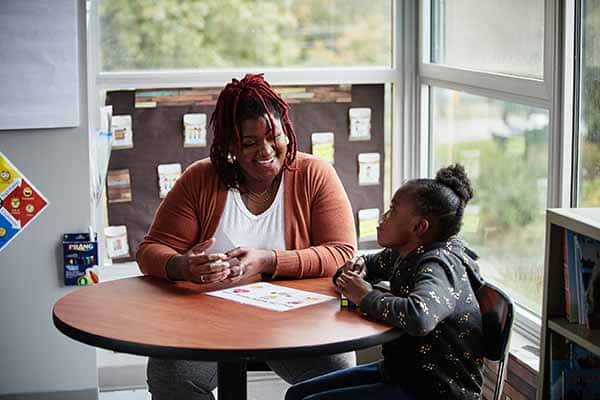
(181, 353)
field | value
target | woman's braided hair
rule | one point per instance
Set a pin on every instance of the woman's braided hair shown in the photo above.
(443, 199)
(249, 98)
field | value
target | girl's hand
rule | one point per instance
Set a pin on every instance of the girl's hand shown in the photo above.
(353, 286)
(356, 264)
(249, 261)
(197, 266)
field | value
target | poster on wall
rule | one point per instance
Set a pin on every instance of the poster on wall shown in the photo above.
(20, 202)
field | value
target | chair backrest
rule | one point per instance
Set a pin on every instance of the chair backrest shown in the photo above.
(497, 312)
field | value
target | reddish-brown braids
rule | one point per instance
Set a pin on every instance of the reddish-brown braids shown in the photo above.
(226, 119)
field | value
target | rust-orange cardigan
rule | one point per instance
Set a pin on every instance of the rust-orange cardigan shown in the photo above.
(319, 226)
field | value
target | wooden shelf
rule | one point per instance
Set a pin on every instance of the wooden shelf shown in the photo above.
(582, 221)
(583, 336)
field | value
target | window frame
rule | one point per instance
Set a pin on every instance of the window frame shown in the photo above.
(411, 78)
(545, 93)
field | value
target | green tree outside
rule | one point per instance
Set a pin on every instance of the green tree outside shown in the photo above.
(200, 34)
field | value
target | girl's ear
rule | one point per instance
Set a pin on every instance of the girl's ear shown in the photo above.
(421, 227)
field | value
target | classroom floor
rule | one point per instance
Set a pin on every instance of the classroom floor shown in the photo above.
(261, 386)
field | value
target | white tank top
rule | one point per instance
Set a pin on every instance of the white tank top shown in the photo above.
(238, 227)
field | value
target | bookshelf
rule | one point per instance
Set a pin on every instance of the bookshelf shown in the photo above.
(555, 327)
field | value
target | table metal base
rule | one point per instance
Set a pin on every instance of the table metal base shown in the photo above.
(232, 380)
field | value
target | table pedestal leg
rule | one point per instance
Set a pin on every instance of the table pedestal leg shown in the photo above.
(232, 380)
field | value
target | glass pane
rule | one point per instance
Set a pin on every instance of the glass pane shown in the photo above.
(173, 34)
(505, 37)
(589, 122)
(504, 148)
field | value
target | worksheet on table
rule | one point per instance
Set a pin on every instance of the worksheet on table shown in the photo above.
(271, 297)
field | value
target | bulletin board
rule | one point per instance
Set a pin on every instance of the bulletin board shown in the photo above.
(157, 125)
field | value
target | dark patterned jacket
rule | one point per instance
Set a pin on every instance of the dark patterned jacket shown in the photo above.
(433, 299)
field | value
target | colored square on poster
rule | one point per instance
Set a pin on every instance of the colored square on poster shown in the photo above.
(7, 230)
(8, 174)
(24, 202)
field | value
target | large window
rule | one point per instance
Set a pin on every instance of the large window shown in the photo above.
(504, 147)
(494, 36)
(589, 121)
(213, 34)
(488, 102)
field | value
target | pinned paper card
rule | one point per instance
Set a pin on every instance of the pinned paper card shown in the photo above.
(368, 169)
(323, 145)
(20, 202)
(122, 132)
(360, 124)
(368, 219)
(117, 245)
(271, 297)
(167, 175)
(194, 130)
(119, 186)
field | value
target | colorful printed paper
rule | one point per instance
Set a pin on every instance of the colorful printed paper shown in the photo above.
(368, 169)
(323, 145)
(272, 297)
(194, 130)
(360, 124)
(119, 186)
(122, 132)
(20, 202)
(167, 175)
(368, 220)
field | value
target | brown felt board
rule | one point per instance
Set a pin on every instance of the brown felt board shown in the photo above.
(158, 139)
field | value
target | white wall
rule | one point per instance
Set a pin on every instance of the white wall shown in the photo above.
(34, 355)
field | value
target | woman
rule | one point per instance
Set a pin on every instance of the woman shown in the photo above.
(257, 206)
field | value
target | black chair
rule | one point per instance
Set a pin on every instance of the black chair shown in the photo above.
(497, 312)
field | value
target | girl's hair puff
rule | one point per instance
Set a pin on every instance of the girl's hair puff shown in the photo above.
(443, 199)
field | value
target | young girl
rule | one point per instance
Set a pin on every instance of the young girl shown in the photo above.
(433, 280)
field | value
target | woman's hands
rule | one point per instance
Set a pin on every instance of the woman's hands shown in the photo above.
(249, 261)
(197, 266)
(352, 285)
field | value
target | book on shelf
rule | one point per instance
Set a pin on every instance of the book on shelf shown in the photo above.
(581, 379)
(581, 269)
(571, 305)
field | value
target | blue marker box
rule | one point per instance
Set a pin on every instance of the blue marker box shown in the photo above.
(80, 254)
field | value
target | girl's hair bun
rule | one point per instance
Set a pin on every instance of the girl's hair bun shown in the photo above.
(455, 177)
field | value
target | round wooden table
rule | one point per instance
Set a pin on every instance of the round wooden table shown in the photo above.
(153, 317)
